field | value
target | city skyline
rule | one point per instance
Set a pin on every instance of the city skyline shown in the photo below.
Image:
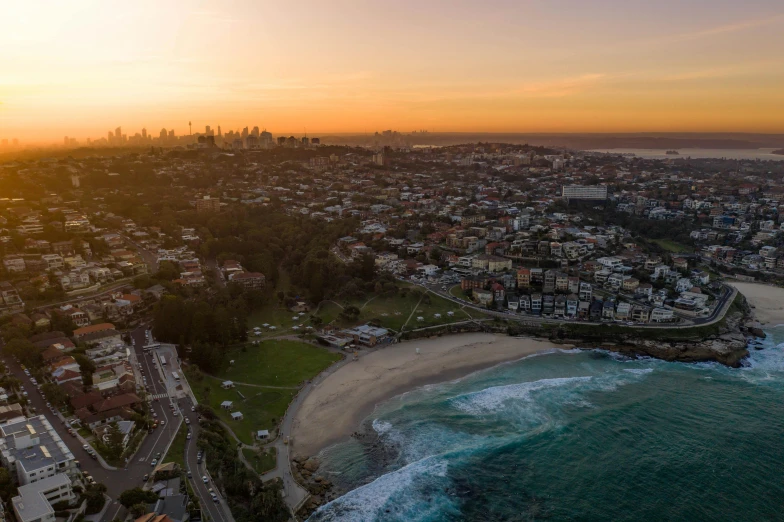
(351, 67)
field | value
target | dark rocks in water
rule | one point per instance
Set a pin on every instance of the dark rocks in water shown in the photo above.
(759, 347)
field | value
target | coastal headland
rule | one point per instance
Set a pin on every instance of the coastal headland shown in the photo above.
(335, 408)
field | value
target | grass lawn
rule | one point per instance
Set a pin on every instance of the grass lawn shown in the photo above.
(176, 451)
(276, 314)
(261, 408)
(277, 363)
(392, 311)
(263, 460)
(672, 246)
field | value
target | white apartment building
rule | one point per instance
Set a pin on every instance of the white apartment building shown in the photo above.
(32, 450)
(34, 503)
(591, 192)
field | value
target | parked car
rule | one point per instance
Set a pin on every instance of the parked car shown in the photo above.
(154, 462)
(205, 479)
(146, 477)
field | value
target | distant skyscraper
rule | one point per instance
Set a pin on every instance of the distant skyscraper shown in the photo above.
(144, 134)
(110, 137)
(171, 133)
(118, 133)
(305, 141)
(207, 130)
(65, 141)
(163, 134)
(244, 133)
(255, 132)
(219, 132)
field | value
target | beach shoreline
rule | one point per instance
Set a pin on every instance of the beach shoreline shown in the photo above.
(767, 300)
(336, 407)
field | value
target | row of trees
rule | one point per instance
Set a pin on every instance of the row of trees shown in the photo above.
(249, 498)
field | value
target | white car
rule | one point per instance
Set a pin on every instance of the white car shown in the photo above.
(205, 479)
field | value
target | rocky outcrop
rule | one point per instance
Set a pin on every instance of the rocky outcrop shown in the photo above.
(726, 344)
(320, 488)
(728, 349)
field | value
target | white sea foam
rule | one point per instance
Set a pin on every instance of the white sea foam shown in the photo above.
(381, 427)
(492, 399)
(638, 371)
(395, 491)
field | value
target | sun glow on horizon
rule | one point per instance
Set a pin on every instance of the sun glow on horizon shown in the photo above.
(83, 67)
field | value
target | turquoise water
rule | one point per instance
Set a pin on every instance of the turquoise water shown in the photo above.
(574, 435)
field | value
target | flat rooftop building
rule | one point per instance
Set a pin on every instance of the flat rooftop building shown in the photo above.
(34, 503)
(33, 450)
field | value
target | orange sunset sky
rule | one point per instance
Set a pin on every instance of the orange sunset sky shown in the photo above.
(82, 67)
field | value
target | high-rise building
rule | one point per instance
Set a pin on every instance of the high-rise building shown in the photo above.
(266, 140)
(255, 132)
(244, 133)
(207, 130)
(315, 141)
(219, 132)
(305, 141)
(144, 134)
(207, 204)
(171, 133)
(589, 192)
(163, 135)
(118, 133)
(110, 137)
(66, 141)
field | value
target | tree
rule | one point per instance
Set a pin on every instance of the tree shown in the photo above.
(137, 510)
(7, 488)
(25, 351)
(62, 323)
(54, 394)
(95, 498)
(114, 441)
(131, 497)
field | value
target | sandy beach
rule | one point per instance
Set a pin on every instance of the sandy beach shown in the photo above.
(768, 301)
(334, 408)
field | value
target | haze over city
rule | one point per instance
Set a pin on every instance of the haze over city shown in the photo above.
(83, 67)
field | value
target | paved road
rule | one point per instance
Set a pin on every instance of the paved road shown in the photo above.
(218, 512)
(722, 305)
(132, 475)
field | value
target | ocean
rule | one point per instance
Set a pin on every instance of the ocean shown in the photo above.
(739, 154)
(574, 435)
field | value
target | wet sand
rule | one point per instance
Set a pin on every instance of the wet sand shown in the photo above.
(334, 409)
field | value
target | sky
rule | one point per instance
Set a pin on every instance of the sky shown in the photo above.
(83, 67)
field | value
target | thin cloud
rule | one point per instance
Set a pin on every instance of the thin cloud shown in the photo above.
(721, 30)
